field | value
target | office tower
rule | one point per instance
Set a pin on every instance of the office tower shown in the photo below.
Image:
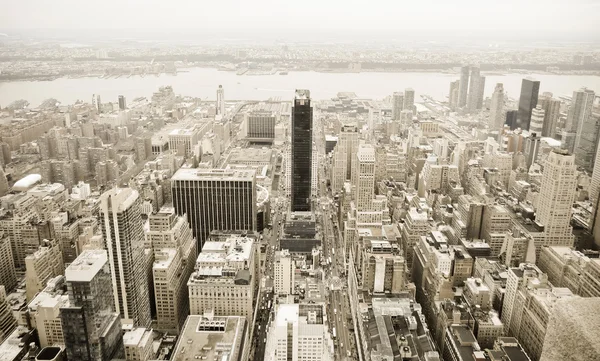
(480, 92)
(90, 325)
(260, 125)
(409, 100)
(572, 330)
(122, 102)
(21, 213)
(463, 86)
(216, 338)
(415, 225)
(476, 88)
(556, 197)
(298, 332)
(594, 196)
(220, 109)
(344, 151)
(170, 238)
(496, 221)
(511, 119)
(8, 274)
(183, 140)
(7, 320)
(225, 278)
(519, 280)
(301, 152)
(537, 120)
(397, 105)
(531, 149)
(437, 177)
(382, 268)
(580, 117)
(123, 231)
(497, 108)
(580, 109)
(284, 271)
(527, 102)
(551, 108)
(215, 199)
(44, 264)
(454, 94)
(364, 177)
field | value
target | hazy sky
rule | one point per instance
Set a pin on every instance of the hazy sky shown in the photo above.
(568, 17)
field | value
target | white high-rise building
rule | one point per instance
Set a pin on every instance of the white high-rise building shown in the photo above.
(397, 105)
(476, 87)
(454, 94)
(556, 197)
(364, 177)
(463, 86)
(497, 116)
(284, 270)
(409, 100)
(220, 109)
(123, 232)
(342, 158)
(298, 333)
(44, 264)
(170, 237)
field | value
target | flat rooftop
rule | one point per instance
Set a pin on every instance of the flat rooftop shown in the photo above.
(198, 174)
(137, 336)
(86, 266)
(217, 344)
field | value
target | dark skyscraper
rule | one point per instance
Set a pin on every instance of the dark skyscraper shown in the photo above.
(527, 101)
(511, 119)
(301, 155)
(122, 102)
(215, 200)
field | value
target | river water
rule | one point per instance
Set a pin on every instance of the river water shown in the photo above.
(203, 82)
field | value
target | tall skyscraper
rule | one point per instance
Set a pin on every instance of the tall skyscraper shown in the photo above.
(215, 199)
(551, 108)
(527, 102)
(409, 100)
(580, 116)
(511, 119)
(463, 86)
(556, 197)
(342, 157)
(301, 155)
(220, 101)
(454, 94)
(497, 108)
(476, 88)
(122, 102)
(397, 105)
(537, 120)
(90, 325)
(174, 247)
(123, 231)
(364, 177)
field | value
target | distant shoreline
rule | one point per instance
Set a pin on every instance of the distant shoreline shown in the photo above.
(276, 72)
